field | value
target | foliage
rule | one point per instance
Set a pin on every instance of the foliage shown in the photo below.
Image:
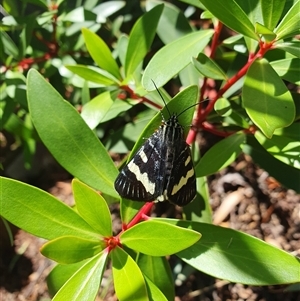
(261, 121)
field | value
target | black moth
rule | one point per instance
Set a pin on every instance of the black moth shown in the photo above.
(162, 169)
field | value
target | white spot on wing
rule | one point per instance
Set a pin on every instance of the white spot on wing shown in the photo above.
(142, 177)
(143, 156)
(187, 161)
(182, 181)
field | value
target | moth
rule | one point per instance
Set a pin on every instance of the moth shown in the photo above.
(162, 169)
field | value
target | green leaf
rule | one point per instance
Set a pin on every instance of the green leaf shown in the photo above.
(85, 283)
(16, 87)
(158, 271)
(283, 147)
(60, 274)
(290, 24)
(157, 238)
(95, 111)
(268, 34)
(288, 69)
(122, 48)
(271, 11)
(107, 9)
(9, 46)
(71, 249)
(231, 14)
(292, 47)
(208, 67)
(195, 3)
(238, 257)
(119, 106)
(172, 58)
(223, 107)
(79, 14)
(285, 174)
(90, 74)
(68, 137)
(92, 207)
(141, 37)
(266, 99)
(128, 279)
(122, 140)
(172, 24)
(189, 76)
(100, 53)
(253, 12)
(39, 213)
(154, 292)
(220, 155)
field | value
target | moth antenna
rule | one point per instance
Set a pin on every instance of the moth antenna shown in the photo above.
(195, 104)
(161, 97)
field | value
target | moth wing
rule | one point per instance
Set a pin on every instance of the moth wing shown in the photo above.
(139, 179)
(181, 188)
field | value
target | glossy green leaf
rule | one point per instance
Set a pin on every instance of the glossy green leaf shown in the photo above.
(189, 76)
(9, 46)
(85, 93)
(208, 67)
(172, 24)
(71, 249)
(172, 58)
(7, 108)
(156, 238)
(231, 14)
(153, 291)
(292, 47)
(283, 147)
(92, 207)
(285, 174)
(253, 11)
(220, 155)
(238, 257)
(122, 140)
(141, 37)
(85, 283)
(128, 279)
(158, 271)
(68, 137)
(94, 111)
(267, 99)
(290, 24)
(223, 107)
(288, 69)
(271, 11)
(80, 14)
(195, 3)
(39, 213)
(100, 53)
(118, 106)
(268, 34)
(122, 48)
(90, 74)
(16, 87)
(107, 9)
(60, 274)
(237, 119)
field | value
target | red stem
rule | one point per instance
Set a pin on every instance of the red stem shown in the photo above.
(139, 216)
